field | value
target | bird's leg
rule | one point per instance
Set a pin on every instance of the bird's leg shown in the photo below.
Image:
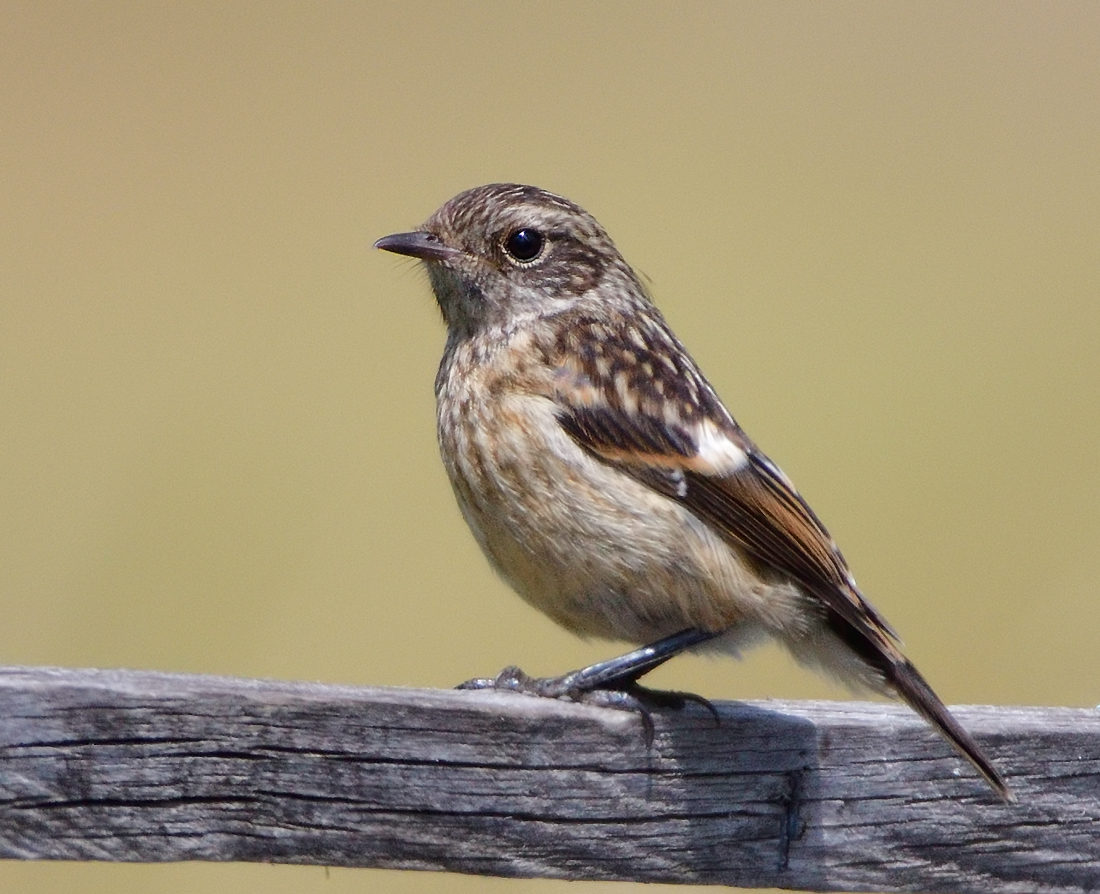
(612, 683)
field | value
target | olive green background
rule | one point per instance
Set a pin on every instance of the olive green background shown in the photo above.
(876, 226)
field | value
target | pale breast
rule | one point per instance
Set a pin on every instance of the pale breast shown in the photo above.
(596, 550)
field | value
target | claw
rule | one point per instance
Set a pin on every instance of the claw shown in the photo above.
(626, 695)
(611, 684)
(478, 683)
(511, 679)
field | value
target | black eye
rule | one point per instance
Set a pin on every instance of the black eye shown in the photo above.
(524, 245)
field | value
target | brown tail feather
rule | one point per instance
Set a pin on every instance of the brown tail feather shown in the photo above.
(914, 689)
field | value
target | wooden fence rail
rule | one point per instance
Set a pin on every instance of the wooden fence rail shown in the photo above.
(134, 766)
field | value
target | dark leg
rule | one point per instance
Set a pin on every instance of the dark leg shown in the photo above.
(612, 683)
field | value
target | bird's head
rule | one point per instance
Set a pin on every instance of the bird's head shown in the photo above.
(501, 254)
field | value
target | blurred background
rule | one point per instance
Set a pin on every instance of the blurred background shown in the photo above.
(875, 226)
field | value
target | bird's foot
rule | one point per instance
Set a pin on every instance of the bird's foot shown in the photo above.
(622, 694)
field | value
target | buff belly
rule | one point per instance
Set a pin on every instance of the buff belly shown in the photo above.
(598, 552)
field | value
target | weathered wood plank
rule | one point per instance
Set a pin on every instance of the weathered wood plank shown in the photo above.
(131, 766)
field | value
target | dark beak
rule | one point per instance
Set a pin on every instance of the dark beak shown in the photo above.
(425, 246)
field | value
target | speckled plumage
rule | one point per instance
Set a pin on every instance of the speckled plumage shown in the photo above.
(601, 474)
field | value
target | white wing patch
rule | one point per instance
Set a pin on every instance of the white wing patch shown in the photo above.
(716, 450)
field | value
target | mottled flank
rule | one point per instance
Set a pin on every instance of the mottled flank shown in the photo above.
(601, 474)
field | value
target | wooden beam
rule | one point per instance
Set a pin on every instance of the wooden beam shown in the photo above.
(134, 766)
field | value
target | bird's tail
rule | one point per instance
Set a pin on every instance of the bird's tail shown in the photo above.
(915, 691)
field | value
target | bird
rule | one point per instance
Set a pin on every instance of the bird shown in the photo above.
(605, 480)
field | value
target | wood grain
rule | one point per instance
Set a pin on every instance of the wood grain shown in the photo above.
(137, 766)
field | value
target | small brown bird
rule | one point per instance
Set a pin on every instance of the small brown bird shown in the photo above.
(605, 480)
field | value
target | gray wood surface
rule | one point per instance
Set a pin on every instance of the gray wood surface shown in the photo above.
(135, 766)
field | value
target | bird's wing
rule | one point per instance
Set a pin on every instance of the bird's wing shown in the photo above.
(658, 419)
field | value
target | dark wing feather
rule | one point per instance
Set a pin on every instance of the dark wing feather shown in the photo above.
(629, 393)
(758, 508)
(754, 507)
